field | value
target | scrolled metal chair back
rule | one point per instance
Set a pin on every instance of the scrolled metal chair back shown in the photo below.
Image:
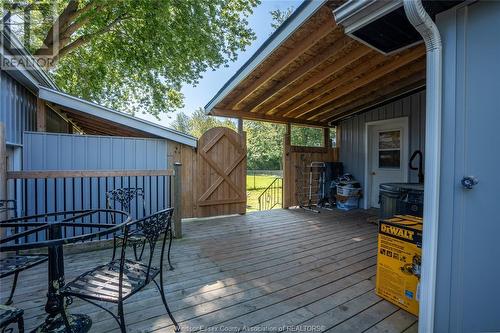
(124, 196)
(152, 227)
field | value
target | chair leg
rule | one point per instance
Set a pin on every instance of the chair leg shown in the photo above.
(114, 249)
(134, 246)
(66, 321)
(169, 247)
(14, 284)
(142, 249)
(20, 324)
(122, 317)
(163, 298)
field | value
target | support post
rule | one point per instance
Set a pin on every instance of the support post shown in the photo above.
(287, 168)
(240, 126)
(41, 115)
(326, 137)
(177, 196)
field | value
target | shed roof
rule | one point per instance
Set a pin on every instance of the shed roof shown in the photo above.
(97, 119)
(310, 72)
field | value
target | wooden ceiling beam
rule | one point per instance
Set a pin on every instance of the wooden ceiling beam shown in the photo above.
(298, 49)
(328, 71)
(405, 85)
(337, 46)
(402, 60)
(262, 117)
(379, 88)
(366, 63)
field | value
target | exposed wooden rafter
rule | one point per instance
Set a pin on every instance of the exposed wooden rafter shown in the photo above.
(380, 88)
(397, 89)
(328, 71)
(257, 116)
(327, 53)
(298, 49)
(365, 78)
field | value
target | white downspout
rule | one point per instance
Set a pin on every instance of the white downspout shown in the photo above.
(419, 18)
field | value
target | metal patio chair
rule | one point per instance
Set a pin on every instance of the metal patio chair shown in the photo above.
(120, 279)
(10, 315)
(15, 263)
(124, 196)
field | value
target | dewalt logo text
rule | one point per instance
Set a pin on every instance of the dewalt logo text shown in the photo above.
(398, 232)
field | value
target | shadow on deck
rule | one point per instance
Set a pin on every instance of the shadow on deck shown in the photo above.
(264, 271)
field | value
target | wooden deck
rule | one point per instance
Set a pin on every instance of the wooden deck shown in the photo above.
(263, 272)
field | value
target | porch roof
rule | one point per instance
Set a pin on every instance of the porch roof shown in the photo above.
(311, 72)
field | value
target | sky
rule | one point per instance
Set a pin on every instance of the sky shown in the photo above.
(212, 81)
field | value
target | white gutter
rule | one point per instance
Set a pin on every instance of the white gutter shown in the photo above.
(422, 22)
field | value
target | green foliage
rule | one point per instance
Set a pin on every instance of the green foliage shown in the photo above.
(199, 123)
(253, 192)
(264, 145)
(306, 136)
(136, 54)
(279, 16)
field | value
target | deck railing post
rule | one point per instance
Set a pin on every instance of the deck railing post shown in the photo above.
(177, 199)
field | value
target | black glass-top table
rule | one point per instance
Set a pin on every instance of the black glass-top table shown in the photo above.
(52, 231)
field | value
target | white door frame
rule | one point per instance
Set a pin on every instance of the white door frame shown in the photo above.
(368, 160)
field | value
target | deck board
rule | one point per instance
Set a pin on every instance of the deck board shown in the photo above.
(259, 272)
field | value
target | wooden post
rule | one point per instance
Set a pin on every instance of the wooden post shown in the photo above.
(326, 138)
(177, 196)
(41, 115)
(287, 168)
(3, 173)
(240, 126)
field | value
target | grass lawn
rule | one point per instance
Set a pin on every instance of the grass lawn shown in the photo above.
(255, 186)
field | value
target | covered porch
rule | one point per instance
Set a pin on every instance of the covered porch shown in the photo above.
(261, 271)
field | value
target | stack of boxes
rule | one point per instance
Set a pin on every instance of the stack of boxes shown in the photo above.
(399, 261)
(348, 196)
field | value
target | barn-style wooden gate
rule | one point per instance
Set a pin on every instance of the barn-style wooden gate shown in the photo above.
(221, 173)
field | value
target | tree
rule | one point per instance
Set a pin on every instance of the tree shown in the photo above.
(136, 54)
(306, 136)
(181, 123)
(199, 123)
(265, 145)
(280, 16)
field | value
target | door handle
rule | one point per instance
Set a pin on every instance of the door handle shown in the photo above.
(468, 182)
(373, 173)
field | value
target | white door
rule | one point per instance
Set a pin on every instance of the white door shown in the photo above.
(388, 156)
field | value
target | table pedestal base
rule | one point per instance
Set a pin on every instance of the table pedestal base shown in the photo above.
(79, 323)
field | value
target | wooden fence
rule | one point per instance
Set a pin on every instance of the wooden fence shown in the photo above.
(295, 158)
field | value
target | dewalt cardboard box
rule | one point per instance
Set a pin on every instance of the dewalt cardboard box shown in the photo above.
(399, 261)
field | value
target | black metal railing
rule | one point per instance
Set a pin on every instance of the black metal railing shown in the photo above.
(272, 196)
(45, 192)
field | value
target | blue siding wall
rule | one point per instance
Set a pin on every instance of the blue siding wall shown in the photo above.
(352, 132)
(52, 151)
(17, 109)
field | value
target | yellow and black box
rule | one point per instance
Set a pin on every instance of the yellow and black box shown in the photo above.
(399, 261)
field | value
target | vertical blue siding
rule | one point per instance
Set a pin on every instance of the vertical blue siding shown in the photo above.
(52, 151)
(352, 131)
(17, 109)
